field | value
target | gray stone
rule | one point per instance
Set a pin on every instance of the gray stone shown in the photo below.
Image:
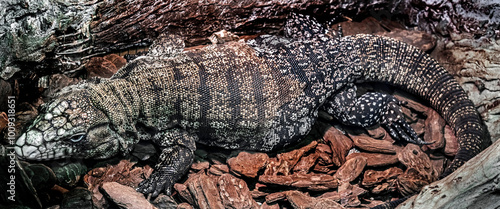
(125, 196)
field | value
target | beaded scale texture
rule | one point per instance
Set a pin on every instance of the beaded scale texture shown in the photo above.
(262, 95)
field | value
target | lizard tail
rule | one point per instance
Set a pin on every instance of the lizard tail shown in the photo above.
(404, 66)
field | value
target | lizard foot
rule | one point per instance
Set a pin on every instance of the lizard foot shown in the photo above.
(156, 184)
(393, 121)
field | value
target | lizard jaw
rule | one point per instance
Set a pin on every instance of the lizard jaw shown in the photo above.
(39, 151)
(28, 152)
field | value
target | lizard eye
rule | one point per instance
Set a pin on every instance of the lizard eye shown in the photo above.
(77, 138)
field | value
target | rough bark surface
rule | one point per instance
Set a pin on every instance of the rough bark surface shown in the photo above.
(474, 185)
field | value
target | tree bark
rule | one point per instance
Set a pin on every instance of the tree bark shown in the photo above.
(47, 36)
(474, 185)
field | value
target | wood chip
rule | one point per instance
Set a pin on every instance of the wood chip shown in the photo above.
(373, 145)
(351, 169)
(312, 182)
(434, 130)
(339, 143)
(451, 147)
(376, 159)
(247, 164)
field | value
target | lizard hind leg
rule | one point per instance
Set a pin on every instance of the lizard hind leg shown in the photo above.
(369, 109)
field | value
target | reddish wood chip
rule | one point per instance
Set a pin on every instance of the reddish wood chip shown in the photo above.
(373, 145)
(351, 169)
(434, 130)
(3, 120)
(413, 157)
(247, 164)
(339, 143)
(373, 177)
(376, 159)
(312, 182)
(451, 147)
(288, 160)
(305, 163)
(235, 193)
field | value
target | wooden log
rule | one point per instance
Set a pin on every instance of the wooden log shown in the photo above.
(474, 185)
(60, 36)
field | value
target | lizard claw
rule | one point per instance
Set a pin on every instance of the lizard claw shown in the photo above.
(393, 121)
(404, 131)
(155, 184)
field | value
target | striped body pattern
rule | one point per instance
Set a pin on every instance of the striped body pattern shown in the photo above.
(262, 94)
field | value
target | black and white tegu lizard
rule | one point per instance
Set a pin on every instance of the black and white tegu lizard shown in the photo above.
(262, 95)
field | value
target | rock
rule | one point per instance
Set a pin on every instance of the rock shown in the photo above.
(373, 145)
(78, 198)
(339, 144)
(351, 169)
(312, 182)
(247, 164)
(434, 130)
(125, 196)
(235, 193)
(376, 159)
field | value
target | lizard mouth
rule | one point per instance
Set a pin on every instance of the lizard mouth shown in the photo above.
(42, 153)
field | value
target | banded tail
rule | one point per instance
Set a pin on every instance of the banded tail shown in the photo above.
(404, 66)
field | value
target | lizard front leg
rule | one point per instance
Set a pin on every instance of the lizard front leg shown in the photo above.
(176, 157)
(369, 109)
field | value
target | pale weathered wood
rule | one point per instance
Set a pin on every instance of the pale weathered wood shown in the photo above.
(474, 185)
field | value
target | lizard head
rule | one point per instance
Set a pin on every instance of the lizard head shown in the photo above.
(68, 126)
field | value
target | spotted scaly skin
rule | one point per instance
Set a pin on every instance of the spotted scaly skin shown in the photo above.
(260, 95)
